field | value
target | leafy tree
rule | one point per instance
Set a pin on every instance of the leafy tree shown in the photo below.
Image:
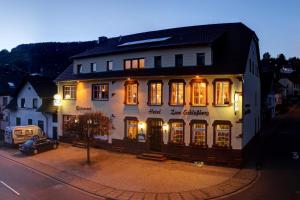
(88, 125)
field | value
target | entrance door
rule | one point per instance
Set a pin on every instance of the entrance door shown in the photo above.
(155, 133)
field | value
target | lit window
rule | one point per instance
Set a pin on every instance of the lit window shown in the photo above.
(222, 92)
(198, 131)
(131, 128)
(109, 65)
(93, 67)
(155, 93)
(222, 134)
(69, 91)
(177, 93)
(134, 63)
(177, 132)
(131, 93)
(198, 93)
(100, 92)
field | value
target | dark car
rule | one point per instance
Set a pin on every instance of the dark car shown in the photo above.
(36, 145)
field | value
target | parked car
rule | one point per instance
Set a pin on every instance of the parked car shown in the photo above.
(19, 134)
(36, 145)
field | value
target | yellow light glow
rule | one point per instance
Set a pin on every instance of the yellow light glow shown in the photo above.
(57, 100)
(142, 125)
(165, 127)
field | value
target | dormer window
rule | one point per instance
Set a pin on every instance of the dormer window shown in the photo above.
(79, 69)
(200, 59)
(93, 67)
(178, 60)
(134, 63)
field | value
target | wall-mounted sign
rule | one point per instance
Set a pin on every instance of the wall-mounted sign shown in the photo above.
(153, 111)
(189, 112)
(83, 108)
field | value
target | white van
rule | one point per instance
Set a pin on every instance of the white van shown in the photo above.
(19, 134)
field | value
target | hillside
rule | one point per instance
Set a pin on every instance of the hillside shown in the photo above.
(49, 58)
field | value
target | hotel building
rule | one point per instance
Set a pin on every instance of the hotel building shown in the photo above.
(190, 93)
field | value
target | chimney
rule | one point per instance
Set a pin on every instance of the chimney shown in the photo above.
(102, 39)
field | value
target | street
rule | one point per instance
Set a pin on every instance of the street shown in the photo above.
(280, 174)
(18, 182)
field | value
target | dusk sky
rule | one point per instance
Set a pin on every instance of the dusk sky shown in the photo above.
(277, 23)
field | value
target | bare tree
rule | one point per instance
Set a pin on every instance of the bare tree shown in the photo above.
(87, 126)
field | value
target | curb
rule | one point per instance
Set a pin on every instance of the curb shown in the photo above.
(242, 180)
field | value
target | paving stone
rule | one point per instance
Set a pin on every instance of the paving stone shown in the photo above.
(212, 192)
(137, 196)
(187, 196)
(149, 196)
(125, 195)
(104, 191)
(114, 193)
(198, 194)
(175, 196)
(162, 196)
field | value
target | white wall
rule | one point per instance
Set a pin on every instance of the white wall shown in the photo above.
(28, 112)
(251, 92)
(116, 106)
(4, 122)
(168, 58)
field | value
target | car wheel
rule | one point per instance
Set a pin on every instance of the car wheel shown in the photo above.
(35, 151)
(54, 146)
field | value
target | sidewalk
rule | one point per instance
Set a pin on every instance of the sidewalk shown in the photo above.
(212, 181)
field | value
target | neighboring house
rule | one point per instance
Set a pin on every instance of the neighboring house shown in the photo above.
(6, 92)
(190, 93)
(32, 103)
(292, 84)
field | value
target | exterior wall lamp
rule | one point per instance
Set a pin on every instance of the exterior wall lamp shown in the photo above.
(57, 100)
(165, 128)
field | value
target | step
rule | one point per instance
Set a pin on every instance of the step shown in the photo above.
(152, 156)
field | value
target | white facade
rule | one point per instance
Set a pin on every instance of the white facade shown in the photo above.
(243, 112)
(27, 114)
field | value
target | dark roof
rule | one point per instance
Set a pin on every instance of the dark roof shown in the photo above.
(47, 106)
(44, 86)
(230, 44)
(7, 78)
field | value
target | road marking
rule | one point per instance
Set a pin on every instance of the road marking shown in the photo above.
(7, 186)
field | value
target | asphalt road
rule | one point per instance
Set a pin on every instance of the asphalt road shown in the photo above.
(18, 182)
(280, 174)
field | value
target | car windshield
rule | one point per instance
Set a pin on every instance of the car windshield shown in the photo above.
(28, 143)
